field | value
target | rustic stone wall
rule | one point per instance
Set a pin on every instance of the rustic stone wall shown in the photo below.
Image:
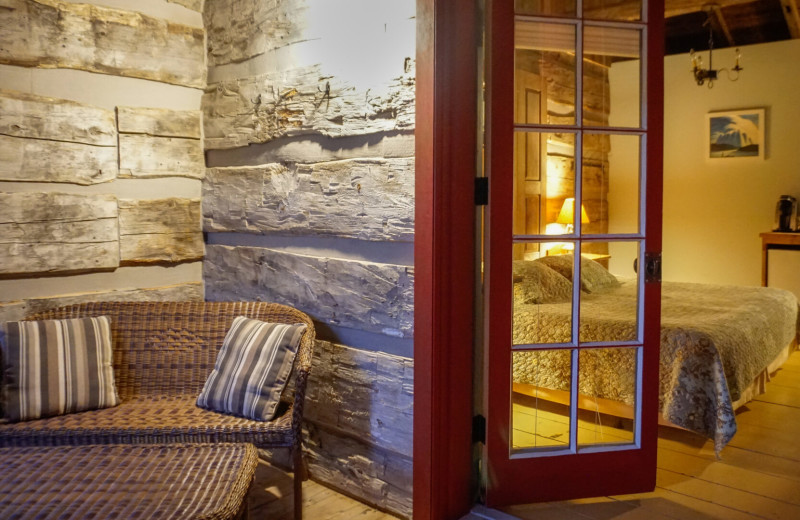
(101, 155)
(309, 125)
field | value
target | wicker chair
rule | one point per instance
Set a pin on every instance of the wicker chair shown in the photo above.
(163, 353)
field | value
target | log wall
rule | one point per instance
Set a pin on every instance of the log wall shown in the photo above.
(100, 153)
(305, 191)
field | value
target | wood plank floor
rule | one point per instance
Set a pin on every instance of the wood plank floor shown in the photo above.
(271, 498)
(758, 475)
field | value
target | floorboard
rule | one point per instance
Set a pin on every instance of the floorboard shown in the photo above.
(271, 497)
(782, 395)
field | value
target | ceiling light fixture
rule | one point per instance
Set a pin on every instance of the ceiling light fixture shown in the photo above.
(710, 74)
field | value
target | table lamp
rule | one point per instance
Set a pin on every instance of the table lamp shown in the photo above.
(567, 214)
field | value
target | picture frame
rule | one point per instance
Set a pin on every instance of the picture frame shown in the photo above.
(736, 134)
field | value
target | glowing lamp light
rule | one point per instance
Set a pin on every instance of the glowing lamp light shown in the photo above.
(567, 214)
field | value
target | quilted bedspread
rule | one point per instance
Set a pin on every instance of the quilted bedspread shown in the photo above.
(715, 340)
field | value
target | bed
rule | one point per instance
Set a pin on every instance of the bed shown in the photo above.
(718, 343)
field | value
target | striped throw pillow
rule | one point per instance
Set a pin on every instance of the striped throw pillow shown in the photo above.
(54, 367)
(251, 369)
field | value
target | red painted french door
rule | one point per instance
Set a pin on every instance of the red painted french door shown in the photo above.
(573, 155)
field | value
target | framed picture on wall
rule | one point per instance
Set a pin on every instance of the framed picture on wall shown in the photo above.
(736, 134)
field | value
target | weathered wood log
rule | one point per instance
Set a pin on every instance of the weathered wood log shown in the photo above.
(241, 29)
(377, 476)
(358, 422)
(16, 310)
(301, 101)
(159, 230)
(364, 394)
(368, 199)
(360, 295)
(52, 34)
(57, 232)
(147, 156)
(37, 160)
(44, 139)
(39, 117)
(159, 122)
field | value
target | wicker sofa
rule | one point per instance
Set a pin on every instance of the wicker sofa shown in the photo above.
(163, 353)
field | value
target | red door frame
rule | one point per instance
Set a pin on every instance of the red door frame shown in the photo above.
(444, 245)
(590, 474)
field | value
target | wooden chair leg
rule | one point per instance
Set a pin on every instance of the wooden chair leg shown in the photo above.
(299, 476)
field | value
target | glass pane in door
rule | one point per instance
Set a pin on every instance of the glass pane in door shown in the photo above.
(611, 76)
(544, 61)
(544, 180)
(607, 395)
(611, 184)
(609, 304)
(542, 298)
(541, 399)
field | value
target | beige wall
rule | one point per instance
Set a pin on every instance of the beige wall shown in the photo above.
(714, 210)
(107, 91)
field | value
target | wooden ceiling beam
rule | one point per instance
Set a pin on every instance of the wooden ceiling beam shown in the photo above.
(630, 9)
(679, 7)
(792, 17)
(716, 12)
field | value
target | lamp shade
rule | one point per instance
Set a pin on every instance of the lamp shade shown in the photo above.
(567, 213)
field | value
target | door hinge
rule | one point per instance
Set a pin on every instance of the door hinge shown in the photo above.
(479, 429)
(481, 191)
(652, 267)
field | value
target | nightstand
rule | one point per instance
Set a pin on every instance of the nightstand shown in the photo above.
(775, 240)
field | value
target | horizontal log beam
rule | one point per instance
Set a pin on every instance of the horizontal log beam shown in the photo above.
(45, 139)
(367, 199)
(159, 122)
(57, 232)
(301, 101)
(347, 381)
(36, 160)
(52, 34)
(39, 117)
(147, 156)
(359, 295)
(160, 230)
(242, 29)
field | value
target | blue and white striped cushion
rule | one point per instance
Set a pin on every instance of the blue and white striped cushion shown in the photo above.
(252, 369)
(54, 367)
